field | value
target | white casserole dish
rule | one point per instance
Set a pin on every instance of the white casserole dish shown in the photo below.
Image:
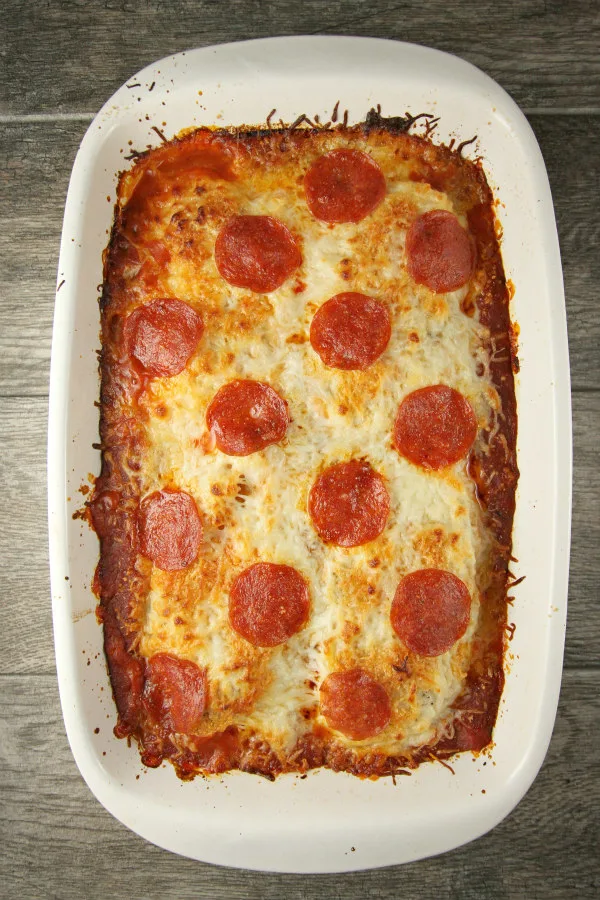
(327, 822)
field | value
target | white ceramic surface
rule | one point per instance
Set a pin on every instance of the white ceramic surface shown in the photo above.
(327, 822)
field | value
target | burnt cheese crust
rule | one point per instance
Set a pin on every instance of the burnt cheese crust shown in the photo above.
(263, 713)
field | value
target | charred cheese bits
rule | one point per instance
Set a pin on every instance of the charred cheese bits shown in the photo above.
(308, 432)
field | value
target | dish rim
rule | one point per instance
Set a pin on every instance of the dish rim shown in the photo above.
(139, 814)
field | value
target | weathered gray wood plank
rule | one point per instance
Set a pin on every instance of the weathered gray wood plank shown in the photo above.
(57, 841)
(73, 56)
(33, 186)
(26, 644)
(569, 147)
(583, 617)
(26, 635)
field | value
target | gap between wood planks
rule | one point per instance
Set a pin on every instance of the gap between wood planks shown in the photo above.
(34, 118)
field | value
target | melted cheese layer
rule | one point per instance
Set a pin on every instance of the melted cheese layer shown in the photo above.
(255, 508)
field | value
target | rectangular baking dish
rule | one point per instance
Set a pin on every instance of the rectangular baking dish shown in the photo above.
(327, 822)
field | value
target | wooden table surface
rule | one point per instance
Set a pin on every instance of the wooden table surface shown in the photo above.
(59, 62)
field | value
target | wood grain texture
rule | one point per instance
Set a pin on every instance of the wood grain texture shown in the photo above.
(59, 62)
(570, 150)
(72, 56)
(583, 617)
(26, 644)
(57, 841)
(26, 635)
(33, 186)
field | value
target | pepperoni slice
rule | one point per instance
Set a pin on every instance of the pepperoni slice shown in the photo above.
(163, 335)
(435, 427)
(268, 604)
(170, 529)
(355, 704)
(344, 186)
(349, 504)
(430, 611)
(440, 253)
(246, 416)
(175, 693)
(256, 252)
(350, 331)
